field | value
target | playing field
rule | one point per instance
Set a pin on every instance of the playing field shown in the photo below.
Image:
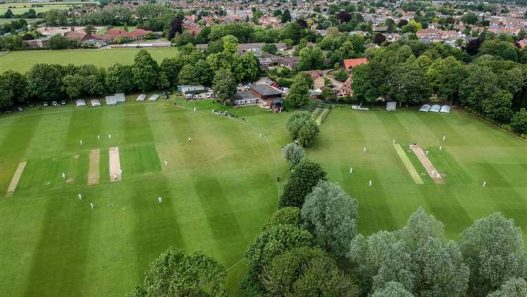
(219, 188)
(22, 61)
(216, 193)
(19, 8)
(472, 153)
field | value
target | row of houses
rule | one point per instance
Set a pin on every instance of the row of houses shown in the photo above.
(94, 40)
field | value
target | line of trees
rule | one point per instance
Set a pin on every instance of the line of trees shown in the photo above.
(491, 84)
(45, 82)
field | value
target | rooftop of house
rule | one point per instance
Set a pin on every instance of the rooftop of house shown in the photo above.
(266, 90)
(352, 63)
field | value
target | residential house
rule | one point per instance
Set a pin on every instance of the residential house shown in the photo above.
(349, 64)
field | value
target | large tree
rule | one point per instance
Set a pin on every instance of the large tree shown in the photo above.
(493, 249)
(145, 71)
(519, 122)
(293, 153)
(298, 94)
(392, 289)
(331, 215)
(224, 85)
(118, 78)
(188, 75)
(44, 82)
(12, 89)
(303, 179)
(302, 128)
(246, 67)
(271, 242)
(446, 76)
(305, 272)
(409, 83)
(171, 67)
(415, 256)
(514, 287)
(175, 274)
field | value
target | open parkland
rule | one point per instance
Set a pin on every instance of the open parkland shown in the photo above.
(65, 216)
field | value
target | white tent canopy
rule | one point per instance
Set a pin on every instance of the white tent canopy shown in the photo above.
(111, 100)
(425, 108)
(120, 97)
(80, 102)
(95, 102)
(445, 109)
(435, 108)
(141, 97)
(153, 97)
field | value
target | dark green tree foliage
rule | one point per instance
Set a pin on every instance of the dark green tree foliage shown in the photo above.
(188, 75)
(270, 243)
(118, 78)
(494, 251)
(446, 76)
(305, 272)
(171, 67)
(45, 82)
(392, 289)
(298, 94)
(204, 74)
(175, 274)
(58, 41)
(409, 83)
(12, 89)
(311, 58)
(246, 67)
(415, 256)
(305, 176)
(270, 48)
(284, 216)
(85, 80)
(331, 215)
(514, 287)
(503, 49)
(145, 71)
(224, 85)
(519, 122)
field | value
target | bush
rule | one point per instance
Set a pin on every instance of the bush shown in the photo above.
(519, 122)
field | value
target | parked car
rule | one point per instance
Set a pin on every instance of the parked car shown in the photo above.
(55, 103)
(20, 109)
(45, 104)
(63, 102)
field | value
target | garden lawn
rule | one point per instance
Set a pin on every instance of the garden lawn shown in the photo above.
(472, 153)
(22, 61)
(219, 189)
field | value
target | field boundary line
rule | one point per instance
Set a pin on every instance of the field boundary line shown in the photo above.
(408, 164)
(16, 177)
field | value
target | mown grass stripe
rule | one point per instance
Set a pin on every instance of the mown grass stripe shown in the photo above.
(408, 165)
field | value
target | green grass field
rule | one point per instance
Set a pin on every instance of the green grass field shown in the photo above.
(472, 153)
(219, 189)
(20, 8)
(22, 61)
